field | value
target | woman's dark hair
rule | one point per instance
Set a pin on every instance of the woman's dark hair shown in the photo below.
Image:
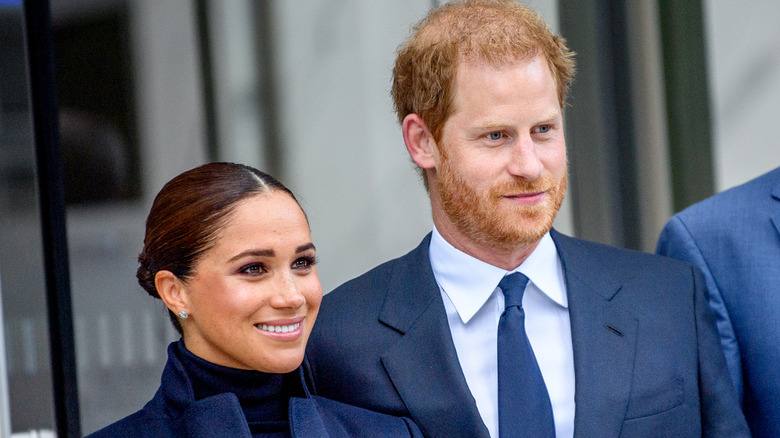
(188, 213)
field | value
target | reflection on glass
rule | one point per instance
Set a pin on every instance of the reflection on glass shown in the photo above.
(28, 374)
(120, 334)
(97, 126)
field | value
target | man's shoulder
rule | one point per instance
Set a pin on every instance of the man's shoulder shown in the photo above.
(144, 422)
(595, 255)
(739, 200)
(647, 283)
(606, 266)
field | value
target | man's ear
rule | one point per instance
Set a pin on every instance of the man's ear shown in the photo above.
(419, 142)
(170, 288)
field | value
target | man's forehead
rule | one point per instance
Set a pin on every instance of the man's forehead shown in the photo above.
(470, 64)
(487, 59)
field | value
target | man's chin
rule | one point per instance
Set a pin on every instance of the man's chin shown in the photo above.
(512, 238)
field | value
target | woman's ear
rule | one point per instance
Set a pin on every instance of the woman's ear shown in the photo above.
(170, 288)
(419, 142)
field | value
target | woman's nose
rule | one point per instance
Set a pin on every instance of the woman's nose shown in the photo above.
(288, 295)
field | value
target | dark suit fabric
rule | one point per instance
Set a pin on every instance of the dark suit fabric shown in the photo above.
(734, 237)
(642, 343)
(173, 412)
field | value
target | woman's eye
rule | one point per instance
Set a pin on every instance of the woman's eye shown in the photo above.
(495, 135)
(303, 263)
(253, 269)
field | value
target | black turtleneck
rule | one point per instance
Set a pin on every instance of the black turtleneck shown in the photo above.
(263, 397)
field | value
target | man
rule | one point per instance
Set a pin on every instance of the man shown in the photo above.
(734, 237)
(622, 343)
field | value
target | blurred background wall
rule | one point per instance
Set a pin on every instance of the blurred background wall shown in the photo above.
(148, 89)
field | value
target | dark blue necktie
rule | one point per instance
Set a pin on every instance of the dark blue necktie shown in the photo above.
(524, 408)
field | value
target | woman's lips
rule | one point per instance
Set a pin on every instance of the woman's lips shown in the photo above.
(284, 328)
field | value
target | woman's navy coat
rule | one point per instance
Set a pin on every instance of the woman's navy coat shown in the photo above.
(173, 412)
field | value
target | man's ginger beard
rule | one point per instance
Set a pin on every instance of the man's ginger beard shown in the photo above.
(482, 216)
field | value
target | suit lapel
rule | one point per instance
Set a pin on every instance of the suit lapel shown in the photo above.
(423, 365)
(775, 215)
(603, 339)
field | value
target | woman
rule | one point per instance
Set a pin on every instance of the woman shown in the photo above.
(229, 251)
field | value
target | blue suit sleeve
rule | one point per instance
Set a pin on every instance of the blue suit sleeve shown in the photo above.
(676, 242)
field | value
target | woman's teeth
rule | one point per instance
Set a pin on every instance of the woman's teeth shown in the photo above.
(278, 328)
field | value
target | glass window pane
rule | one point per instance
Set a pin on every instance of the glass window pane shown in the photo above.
(121, 333)
(22, 288)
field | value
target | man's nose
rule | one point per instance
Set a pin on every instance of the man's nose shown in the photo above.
(524, 161)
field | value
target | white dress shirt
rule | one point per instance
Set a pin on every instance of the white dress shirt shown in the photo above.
(474, 304)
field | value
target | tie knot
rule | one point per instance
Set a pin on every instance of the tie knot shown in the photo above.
(513, 287)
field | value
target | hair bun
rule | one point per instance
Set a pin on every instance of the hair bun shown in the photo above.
(145, 275)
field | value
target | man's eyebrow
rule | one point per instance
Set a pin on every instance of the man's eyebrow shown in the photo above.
(551, 116)
(495, 124)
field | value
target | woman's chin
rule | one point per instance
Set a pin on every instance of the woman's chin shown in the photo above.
(282, 364)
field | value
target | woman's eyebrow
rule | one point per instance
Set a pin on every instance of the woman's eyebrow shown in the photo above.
(254, 253)
(305, 247)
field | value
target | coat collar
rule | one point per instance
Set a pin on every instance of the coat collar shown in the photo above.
(218, 415)
(424, 369)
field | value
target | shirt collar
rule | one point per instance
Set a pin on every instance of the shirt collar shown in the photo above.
(469, 282)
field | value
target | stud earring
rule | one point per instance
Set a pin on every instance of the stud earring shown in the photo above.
(183, 315)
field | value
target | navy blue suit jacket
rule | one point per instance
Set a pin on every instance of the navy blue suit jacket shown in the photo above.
(647, 358)
(734, 237)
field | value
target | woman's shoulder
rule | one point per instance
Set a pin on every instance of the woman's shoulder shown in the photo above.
(142, 423)
(316, 416)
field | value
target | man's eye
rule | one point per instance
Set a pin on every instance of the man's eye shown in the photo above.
(543, 128)
(495, 135)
